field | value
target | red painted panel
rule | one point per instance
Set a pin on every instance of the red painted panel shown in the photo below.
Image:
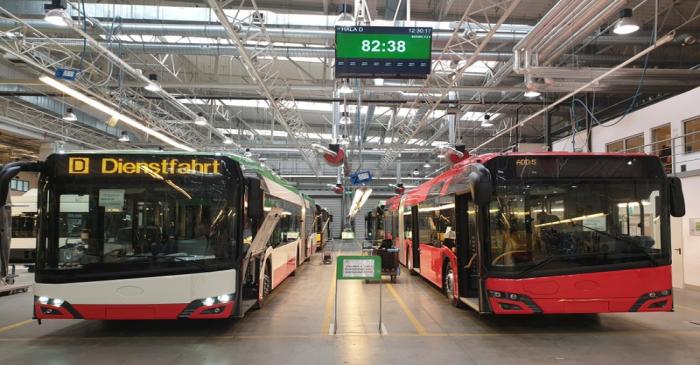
(429, 255)
(609, 291)
(133, 311)
(63, 313)
(227, 309)
(130, 311)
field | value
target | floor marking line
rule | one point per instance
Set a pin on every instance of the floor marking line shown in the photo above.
(325, 327)
(416, 324)
(15, 325)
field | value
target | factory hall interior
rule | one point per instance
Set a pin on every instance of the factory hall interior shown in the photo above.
(349, 182)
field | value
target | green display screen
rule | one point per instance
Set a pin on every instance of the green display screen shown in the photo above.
(383, 51)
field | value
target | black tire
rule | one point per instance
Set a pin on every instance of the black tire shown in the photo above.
(267, 282)
(448, 284)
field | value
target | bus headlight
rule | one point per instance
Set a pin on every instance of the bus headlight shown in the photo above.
(224, 298)
(57, 302)
(208, 301)
(43, 300)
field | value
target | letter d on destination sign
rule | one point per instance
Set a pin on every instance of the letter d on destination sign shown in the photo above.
(78, 165)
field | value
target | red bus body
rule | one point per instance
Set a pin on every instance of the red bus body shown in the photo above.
(644, 289)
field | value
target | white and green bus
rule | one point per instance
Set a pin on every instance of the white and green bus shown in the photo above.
(162, 235)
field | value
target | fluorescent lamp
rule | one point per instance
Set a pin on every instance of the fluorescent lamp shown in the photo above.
(378, 82)
(358, 200)
(531, 93)
(112, 112)
(228, 140)
(57, 17)
(426, 165)
(70, 116)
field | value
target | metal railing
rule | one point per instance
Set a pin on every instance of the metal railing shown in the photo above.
(678, 154)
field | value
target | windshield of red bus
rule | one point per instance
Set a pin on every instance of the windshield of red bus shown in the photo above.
(140, 222)
(563, 224)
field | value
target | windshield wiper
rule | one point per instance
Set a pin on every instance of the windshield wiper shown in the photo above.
(551, 258)
(174, 258)
(623, 239)
(183, 259)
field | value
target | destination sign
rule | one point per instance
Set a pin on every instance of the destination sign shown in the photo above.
(156, 167)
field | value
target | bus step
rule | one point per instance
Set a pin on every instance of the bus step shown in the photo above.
(473, 303)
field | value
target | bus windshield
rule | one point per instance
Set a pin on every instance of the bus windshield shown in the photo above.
(543, 226)
(97, 224)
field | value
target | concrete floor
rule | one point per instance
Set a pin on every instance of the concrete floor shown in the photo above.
(421, 329)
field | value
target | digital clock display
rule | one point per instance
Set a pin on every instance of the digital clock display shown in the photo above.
(390, 52)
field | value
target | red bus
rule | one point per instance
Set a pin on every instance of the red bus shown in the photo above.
(524, 233)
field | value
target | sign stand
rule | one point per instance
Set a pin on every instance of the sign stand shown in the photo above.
(357, 268)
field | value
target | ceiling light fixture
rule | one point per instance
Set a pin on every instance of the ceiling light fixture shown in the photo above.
(441, 155)
(200, 120)
(487, 121)
(56, 14)
(124, 137)
(248, 153)
(112, 112)
(228, 140)
(153, 84)
(345, 18)
(416, 172)
(626, 25)
(531, 93)
(70, 116)
(345, 88)
(426, 165)
(345, 118)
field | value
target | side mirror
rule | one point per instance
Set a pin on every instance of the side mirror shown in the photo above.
(676, 197)
(255, 198)
(480, 180)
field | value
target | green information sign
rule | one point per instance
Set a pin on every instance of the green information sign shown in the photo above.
(359, 268)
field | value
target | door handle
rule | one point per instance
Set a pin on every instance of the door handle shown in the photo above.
(679, 250)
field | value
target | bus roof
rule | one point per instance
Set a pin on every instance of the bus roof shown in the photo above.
(420, 193)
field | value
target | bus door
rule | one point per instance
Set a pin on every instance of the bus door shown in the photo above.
(467, 247)
(415, 243)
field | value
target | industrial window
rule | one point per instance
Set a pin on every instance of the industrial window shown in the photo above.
(635, 143)
(630, 144)
(616, 146)
(19, 185)
(691, 130)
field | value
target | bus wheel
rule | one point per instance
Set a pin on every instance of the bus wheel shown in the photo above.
(448, 284)
(267, 282)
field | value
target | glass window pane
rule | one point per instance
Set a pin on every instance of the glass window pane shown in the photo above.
(691, 130)
(616, 146)
(635, 143)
